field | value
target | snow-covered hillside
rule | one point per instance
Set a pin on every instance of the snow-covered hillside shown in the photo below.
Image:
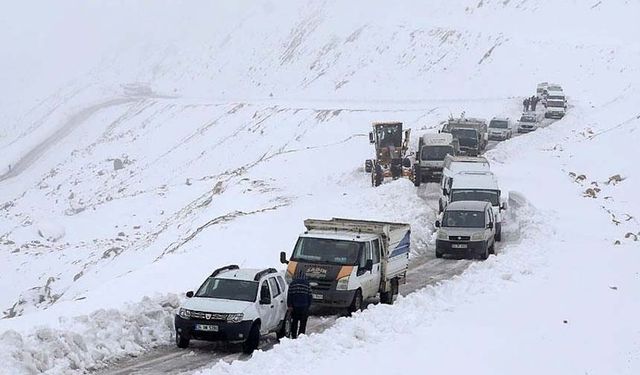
(146, 144)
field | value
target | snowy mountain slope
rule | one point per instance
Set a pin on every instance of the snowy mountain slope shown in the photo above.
(224, 128)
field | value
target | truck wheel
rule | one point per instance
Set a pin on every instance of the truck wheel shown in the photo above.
(417, 176)
(252, 342)
(438, 254)
(368, 165)
(386, 298)
(377, 175)
(182, 341)
(406, 162)
(285, 327)
(395, 288)
(498, 236)
(356, 304)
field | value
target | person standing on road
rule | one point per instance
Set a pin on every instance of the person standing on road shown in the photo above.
(298, 302)
(534, 103)
(526, 103)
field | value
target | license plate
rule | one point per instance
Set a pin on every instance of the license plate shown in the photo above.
(206, 327)
(459, 246)
(317, 296)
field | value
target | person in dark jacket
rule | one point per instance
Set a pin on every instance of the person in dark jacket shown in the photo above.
(526, 104)
(298, 301)
(534, 102)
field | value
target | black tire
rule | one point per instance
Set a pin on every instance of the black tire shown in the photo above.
(417, 176)
(492, 249)
(252, 342)
(368, 165)
(386, 298)
(406, 162)
(182, 341)
(285, 327)
(438, 254)
(395, 287)
(485, 254)
(377, 175)
(498, 236)
(356, 304)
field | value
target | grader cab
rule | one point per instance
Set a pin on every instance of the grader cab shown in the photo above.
(391, 151)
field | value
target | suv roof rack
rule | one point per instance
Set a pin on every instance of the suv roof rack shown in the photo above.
(225, 268)
(264, 272)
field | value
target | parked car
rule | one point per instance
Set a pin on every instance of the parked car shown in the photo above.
(500, 128)
(235, 305)
(467, 229)
(528, 122)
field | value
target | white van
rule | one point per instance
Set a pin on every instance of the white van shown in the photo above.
(455, 164)
(476, 186)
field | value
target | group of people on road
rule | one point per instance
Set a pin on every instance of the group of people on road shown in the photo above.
(529, 104)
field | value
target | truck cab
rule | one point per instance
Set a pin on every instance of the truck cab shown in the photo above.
(348, 262)
(432, 150)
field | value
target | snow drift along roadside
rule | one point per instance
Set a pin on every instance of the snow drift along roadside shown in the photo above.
(87, 342)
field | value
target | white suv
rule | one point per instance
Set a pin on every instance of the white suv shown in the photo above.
(235, 305)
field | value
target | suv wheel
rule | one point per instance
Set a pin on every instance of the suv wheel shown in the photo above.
(181, 340)
(253, 340)
(285, 327)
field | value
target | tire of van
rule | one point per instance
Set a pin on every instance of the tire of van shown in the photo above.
(485, 254)
(356, 304)
(252, 342)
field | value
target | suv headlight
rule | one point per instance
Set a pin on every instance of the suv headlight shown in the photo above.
(442, 235)
(479, 236)
(343, 283)
(234, 318)
(184, 313)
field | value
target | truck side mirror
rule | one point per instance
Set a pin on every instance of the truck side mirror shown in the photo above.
(368, 265)
(437, 224)
(371, 139)
(283, 258)
(190, 294)
(503, 206)
(490, 225)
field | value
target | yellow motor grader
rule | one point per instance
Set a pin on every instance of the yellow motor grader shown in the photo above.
(392, 148)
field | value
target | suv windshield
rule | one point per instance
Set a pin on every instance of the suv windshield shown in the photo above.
(325, 250)
(527, 119)
(490, 196)
(555, 104)
(238, 290)
(500, 124)
(436, 152)
(463, 219)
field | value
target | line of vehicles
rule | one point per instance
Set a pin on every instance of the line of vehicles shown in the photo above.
(349, 262)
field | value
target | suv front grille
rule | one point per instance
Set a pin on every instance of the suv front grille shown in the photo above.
(208, 316)
(459, 238)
